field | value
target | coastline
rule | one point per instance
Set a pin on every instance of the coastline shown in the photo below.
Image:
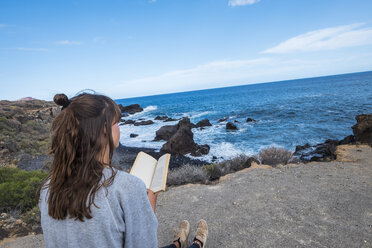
(314, 204)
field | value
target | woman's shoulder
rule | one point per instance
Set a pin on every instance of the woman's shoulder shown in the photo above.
(124, 179)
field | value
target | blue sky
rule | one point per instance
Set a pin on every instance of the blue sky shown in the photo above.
(133, 48)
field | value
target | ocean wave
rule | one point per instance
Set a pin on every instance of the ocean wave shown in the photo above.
(145, 111)
(223, 151)
(193, 115)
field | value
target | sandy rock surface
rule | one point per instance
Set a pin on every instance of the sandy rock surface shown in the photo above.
(311, 205)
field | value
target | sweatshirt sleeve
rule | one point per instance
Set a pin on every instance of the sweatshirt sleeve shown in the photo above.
(140, 221)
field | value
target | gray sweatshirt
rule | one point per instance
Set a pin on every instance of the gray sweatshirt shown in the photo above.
(124, 218)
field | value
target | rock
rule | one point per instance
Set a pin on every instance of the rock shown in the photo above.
(363, 129)
(201, 150)
(142, 123)
(321, 152)
(37, 229)
(300, 148)
(133, 135)
(348, 140)
(236, 121)
(231, 126)
(19, 231)
(185, 122)
(3, 233)
(249, 162)
(25, 129)
(161, 118)
(131, 109)
(126, 122)
(250, 120)
(165, 132)
(203, 123)
(4, 216)
(223, 119)
(170, 119)
(182, 141)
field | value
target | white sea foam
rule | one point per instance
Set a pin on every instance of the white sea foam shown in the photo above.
(193, 115)
(145, 111)
(223, 151)
(145, 136)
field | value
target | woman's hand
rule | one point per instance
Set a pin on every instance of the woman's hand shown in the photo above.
(152, 198)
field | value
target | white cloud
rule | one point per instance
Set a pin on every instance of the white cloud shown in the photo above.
(32, 49)
(67, 42)
(326, 39)
(235, 72)
(234, 3)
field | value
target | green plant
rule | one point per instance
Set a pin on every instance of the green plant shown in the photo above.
(32, 216)
(18, 188)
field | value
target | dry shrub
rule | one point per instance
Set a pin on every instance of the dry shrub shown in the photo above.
(186, 174)
(217, 170)
(274, 156)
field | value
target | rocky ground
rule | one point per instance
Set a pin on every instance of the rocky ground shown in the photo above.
(25, 136)
(318, 204)
(24, 133)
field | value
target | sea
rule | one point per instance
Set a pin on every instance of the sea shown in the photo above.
(287, 113)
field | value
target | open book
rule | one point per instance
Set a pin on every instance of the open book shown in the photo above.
(152, 172)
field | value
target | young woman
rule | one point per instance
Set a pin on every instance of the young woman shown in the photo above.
(85, 201)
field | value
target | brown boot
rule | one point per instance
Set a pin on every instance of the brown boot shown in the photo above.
(182, 234)
(201, 233)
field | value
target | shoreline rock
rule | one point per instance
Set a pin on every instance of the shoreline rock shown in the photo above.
(182, 141)
(231, 126)
(324, 152)
(130, 109)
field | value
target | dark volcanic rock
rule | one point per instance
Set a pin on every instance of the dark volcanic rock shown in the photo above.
(321, 152)
(203, 123)
(182, 142)
(142, 123)
(250, 120)
(170, 119)
(126, 122)
(201, 150)
(300, 148)
(130, 109)
(133, 135)
(124, 157)
(347, 140)
(231, 126)
(161, 117)
(363, 129)
(165, 132)
(185, 122)
(326, 151)
(223, 119)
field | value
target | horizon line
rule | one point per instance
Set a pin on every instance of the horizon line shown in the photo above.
(279, 81)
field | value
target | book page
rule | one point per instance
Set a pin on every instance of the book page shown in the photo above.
(160, 176)
(144, 167)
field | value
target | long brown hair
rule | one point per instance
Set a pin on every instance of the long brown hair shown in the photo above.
(80, 135)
